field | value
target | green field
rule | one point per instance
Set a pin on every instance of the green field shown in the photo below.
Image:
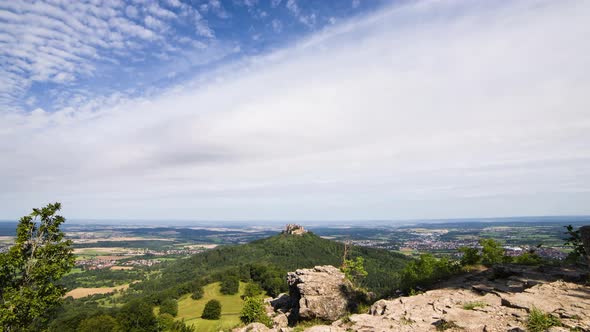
(191, 310)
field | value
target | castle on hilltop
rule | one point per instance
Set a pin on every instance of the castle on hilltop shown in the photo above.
(294, 229)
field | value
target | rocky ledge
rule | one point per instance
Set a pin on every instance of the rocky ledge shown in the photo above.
(498, 299)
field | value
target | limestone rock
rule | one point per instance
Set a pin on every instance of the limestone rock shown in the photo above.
(319, 292)
(484, 302)
(324, 328)
(254, 327)
(280, 320)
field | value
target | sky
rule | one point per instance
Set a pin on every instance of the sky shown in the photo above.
(294, 109)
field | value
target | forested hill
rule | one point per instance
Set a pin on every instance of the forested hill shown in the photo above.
(280, 254)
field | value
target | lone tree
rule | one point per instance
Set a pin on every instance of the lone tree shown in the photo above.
(29, 271)
(212, 310)
(355, 270)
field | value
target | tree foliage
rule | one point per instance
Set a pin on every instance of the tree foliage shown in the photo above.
(491, 252)
(137, 316)
(253, 311)
(427, 270)
(252, 289)
(30, 270)
(230, 284)
(276, 255)
(101, 323)
(470, 256)
(355, 269)
(169, 306)
(574, 240)
(212, 310)
(198, 293)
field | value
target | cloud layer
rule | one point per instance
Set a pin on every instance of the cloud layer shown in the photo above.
(425, 110)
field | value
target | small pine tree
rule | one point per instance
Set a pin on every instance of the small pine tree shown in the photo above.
(355, 269)
(212, 310)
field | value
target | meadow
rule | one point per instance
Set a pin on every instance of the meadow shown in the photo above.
(190, 310)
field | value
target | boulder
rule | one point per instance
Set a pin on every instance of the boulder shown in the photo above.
(280, 320)
(319, 293)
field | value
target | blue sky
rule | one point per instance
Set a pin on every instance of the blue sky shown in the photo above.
(295, 110)
(76, 52)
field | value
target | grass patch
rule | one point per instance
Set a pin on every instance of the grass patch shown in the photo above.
(539, 321)
(473, 305)
(231, 305)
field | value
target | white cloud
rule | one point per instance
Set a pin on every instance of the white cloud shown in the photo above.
(293, 7)
(161, 12)
(433, 109)
(131, 11)
(174, 3)
(250, 3)
(202, 27)
(63, 42)
(154, 23)
(275, 3)
(277, 25)
(218, 9)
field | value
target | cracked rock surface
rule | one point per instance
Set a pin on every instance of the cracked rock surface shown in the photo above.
(485, 302)
(496, 299)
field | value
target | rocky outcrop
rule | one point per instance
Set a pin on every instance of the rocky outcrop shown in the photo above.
(319, 293)
(497, 299)
(485, 302)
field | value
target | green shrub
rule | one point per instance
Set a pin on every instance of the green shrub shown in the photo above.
(212, 310)
(252, 289)
(253, 311)
(539, 321)
(427, 270)
(165, 321)
(528, 258)
(470, 256)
